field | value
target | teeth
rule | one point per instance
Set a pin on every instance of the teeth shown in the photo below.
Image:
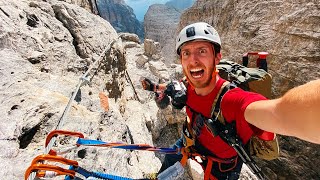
(195, 70)
(199, 76)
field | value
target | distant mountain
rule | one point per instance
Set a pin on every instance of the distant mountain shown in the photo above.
(140, 7)
(160, 24)
(180, 4)
(121, 16)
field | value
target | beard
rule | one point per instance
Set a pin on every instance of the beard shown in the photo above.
(201, 84)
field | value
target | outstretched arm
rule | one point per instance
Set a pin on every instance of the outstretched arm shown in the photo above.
(297, 113)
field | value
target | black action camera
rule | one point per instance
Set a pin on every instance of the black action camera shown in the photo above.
(178, 93)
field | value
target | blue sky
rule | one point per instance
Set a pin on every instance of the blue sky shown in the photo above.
(140, 7)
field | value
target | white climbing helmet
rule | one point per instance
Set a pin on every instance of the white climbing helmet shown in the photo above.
(199, 30)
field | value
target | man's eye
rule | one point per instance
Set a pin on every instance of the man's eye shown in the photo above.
(185, 53)
(202, 51)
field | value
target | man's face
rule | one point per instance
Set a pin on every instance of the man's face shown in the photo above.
(198, 62)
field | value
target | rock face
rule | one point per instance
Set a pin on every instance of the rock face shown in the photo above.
(44, 49)
(160, 24)
(120, 16)
(180, 4)
(89, 5)
(289, 31)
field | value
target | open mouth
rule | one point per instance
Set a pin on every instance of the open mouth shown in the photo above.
(197, 73)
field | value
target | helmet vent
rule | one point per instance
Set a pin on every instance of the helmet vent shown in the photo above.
(205, 31)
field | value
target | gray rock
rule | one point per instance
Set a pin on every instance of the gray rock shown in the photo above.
(159, 69)
(121, 16)
(141, 61)
(45, 48)
(151, 47)
(160, 24)
(129, 37)
(130, 44)
(89, 5)
(36, 57)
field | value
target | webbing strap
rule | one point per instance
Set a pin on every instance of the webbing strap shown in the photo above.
(210, 160)
(218, 97)
(99, 175)
(120, 145)
(228, 133)
(207, 172)
(185, 156)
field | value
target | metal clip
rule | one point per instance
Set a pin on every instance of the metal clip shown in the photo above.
(48, 157)
(48, 168)
(55, 133)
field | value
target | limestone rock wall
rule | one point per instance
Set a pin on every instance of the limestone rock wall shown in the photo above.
(89, 5)
(121, 16)
(45, 47)
(160, 24)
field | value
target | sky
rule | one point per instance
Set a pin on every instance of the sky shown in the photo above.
(140, 7)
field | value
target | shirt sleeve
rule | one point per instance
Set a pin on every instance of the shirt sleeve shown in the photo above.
(233, 106)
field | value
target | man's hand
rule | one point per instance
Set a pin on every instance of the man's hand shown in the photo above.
(147, 84)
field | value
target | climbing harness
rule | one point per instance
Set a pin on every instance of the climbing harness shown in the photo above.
(226, 131)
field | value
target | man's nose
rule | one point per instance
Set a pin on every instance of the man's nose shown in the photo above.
(194, 58)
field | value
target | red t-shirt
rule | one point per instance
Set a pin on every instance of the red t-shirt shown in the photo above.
(233, 105)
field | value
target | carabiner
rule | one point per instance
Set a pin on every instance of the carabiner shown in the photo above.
(45, 167)
(55, 133)
(48, 157)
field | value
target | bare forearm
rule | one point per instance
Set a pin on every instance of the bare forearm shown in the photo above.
(299, 108)
(297, 113)
(262, 115)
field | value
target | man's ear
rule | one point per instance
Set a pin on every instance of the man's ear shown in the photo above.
(217, 58)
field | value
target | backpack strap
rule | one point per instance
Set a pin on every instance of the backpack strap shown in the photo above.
(215, 108)
(228, 132)
(189, 133)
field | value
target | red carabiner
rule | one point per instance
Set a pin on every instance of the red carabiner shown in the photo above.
(46, 167)
(55, 133)
(47, 157)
